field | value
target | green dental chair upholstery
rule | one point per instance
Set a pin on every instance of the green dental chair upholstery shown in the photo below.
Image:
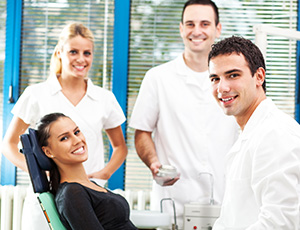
(38, 164)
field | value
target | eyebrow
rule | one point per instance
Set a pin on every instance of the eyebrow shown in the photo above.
(232, 71)
(189, 21)
(226, 73)
(213, 75)
(74, 48)
(63, 134)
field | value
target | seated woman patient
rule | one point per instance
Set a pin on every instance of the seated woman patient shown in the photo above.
(81, 203)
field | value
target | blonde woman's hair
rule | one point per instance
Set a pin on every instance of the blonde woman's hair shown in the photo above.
(70, 31)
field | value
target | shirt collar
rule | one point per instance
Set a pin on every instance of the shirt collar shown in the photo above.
(55, 87)
(181, 67)
(255, 120)
(258, 116)
(92, 90)
(185, 71)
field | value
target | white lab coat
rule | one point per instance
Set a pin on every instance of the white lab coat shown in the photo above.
(191, 132)
(263, 173)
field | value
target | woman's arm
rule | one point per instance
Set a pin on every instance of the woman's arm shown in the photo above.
(119, 154)
(11, 140)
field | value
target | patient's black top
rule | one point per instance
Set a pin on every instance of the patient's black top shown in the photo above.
(83, 208)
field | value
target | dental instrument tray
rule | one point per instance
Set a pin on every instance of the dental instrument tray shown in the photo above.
(165, 173)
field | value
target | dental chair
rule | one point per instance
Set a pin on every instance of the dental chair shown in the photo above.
(38, 163)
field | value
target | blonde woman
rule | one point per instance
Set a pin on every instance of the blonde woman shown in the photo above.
(69, 90)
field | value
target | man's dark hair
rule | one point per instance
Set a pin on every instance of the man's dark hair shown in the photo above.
(240, 45)
(202, 2)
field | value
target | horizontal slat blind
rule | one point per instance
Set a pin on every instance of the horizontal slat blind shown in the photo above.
(42, 23)
(155, 39)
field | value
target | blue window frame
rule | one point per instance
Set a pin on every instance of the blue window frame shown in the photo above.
(11, 77)
(297, 105)
(120, 72)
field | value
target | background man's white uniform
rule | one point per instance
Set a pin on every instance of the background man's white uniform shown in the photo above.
(191, 131)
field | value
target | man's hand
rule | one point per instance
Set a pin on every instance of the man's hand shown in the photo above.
(163, 181)
(154, 167)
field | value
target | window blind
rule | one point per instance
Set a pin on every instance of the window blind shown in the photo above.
(155, 39)
(42, 23)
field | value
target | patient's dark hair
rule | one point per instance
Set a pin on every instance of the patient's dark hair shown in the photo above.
(43, 134)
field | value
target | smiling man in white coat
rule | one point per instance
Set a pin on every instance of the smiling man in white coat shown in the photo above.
(263, 167)
(190, 131)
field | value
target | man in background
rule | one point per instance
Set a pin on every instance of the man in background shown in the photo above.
(190, 132)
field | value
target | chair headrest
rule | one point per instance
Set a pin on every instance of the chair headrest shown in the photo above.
(37, 161)
(43, 161)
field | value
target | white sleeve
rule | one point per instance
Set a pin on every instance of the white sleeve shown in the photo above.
(115, 116)
(27, 108)
(146, 109)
